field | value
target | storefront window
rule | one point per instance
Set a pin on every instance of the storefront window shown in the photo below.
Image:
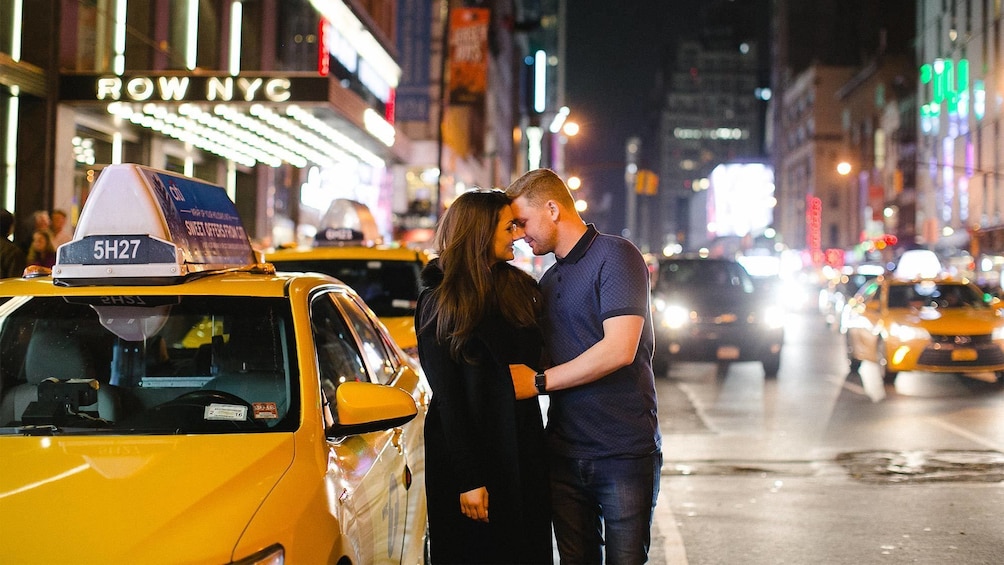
(297, 37)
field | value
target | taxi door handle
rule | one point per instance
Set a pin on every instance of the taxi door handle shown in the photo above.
(396, 440)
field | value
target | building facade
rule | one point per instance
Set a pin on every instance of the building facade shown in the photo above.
(288, 104)
(960, 50)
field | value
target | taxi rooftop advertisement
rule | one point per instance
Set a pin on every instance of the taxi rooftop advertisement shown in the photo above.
(199, 228)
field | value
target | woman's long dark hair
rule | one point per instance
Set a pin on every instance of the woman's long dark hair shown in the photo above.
(474, 282)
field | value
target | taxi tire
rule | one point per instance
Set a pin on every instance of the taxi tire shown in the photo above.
(888, 376)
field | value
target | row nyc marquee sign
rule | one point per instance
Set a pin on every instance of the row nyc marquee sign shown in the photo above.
(193, 88)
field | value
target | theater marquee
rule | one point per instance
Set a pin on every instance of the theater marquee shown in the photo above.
(193, 88)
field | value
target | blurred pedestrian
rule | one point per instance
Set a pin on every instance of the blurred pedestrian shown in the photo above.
(39, 221)
(41, 252)
(486, 475)
(12, 258)
(603, 434)
(62, 231)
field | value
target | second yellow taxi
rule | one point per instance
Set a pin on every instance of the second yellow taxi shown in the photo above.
(937, 324)
(385, 276)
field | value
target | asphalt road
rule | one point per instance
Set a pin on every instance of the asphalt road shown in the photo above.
(822, 466)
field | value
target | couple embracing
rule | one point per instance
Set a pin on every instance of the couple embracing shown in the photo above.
(491, 339)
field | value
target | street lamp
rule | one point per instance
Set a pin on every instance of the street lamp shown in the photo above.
(843, 168)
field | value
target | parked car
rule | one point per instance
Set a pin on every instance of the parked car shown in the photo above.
(167, 398)
(926, 324)
(710, 310)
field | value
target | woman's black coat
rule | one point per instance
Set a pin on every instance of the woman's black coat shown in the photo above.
(478, 434)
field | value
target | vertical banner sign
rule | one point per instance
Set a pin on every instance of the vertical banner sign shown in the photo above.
(468, 63)
(814, 232)
(414, 43)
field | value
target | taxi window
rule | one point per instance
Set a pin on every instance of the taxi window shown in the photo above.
(160, 364)
(389, 288)
(374, 347)
(338, 359)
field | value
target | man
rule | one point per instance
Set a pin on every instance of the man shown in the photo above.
(12, 259)
(602, 425)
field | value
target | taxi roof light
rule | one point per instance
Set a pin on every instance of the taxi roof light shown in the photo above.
(347, 222)
(146, 226)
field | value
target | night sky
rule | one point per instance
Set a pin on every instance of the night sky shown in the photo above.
(614, 50)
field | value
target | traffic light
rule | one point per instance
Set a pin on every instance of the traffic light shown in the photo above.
(646, 182)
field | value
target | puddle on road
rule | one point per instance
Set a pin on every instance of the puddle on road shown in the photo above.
(738, 468)
(924, 466)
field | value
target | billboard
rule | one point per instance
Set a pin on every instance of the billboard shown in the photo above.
(741, 199)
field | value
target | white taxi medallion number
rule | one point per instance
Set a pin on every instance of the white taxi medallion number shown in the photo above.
(126, 249)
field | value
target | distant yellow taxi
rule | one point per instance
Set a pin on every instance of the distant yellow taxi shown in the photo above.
(386, 277)
(926, 324)
(166, 398)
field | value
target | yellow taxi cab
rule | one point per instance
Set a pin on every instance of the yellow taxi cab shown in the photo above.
(386, 277)
(167, 398)
(939, 324)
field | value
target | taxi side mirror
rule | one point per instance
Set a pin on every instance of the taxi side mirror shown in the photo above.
(368, 407)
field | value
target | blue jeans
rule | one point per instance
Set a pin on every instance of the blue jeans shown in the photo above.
(597, 502)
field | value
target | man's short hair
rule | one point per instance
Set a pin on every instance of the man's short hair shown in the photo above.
(539, 186)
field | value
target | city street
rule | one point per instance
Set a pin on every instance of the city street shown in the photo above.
(819, 466)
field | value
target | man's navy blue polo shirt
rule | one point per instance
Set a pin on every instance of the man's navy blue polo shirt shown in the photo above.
(603, 276)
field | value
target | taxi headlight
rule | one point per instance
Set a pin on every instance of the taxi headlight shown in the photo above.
(997, 333)
(271, 555)
(908, 333)
(675, 316)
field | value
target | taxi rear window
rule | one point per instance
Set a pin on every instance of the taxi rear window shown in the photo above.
(389, 288)
(148, 364)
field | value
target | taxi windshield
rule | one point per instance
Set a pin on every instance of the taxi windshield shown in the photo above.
(932, 295)
(147, 364)
(389, 288)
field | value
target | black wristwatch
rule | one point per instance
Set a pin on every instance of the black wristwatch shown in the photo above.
(540, 382)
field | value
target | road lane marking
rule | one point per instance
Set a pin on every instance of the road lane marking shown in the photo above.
(966, 434)
(667, 544)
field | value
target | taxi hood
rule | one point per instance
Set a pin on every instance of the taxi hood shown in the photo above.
(135, 499)
(952, 321)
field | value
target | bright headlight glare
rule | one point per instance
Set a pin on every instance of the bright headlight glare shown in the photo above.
(675, 316)
(773, 317)
(908, 333)
(997, 333)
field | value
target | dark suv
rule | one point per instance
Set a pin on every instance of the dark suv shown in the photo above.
(711, 310)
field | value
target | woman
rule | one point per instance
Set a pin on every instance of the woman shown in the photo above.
(486, 476)
(41, 252)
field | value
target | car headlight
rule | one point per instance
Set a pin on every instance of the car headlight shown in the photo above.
(773, 317)
(997, 333)
(675, 316)
(908, 333)
(272, 555)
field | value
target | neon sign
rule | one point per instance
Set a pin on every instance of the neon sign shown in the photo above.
(950, 90)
